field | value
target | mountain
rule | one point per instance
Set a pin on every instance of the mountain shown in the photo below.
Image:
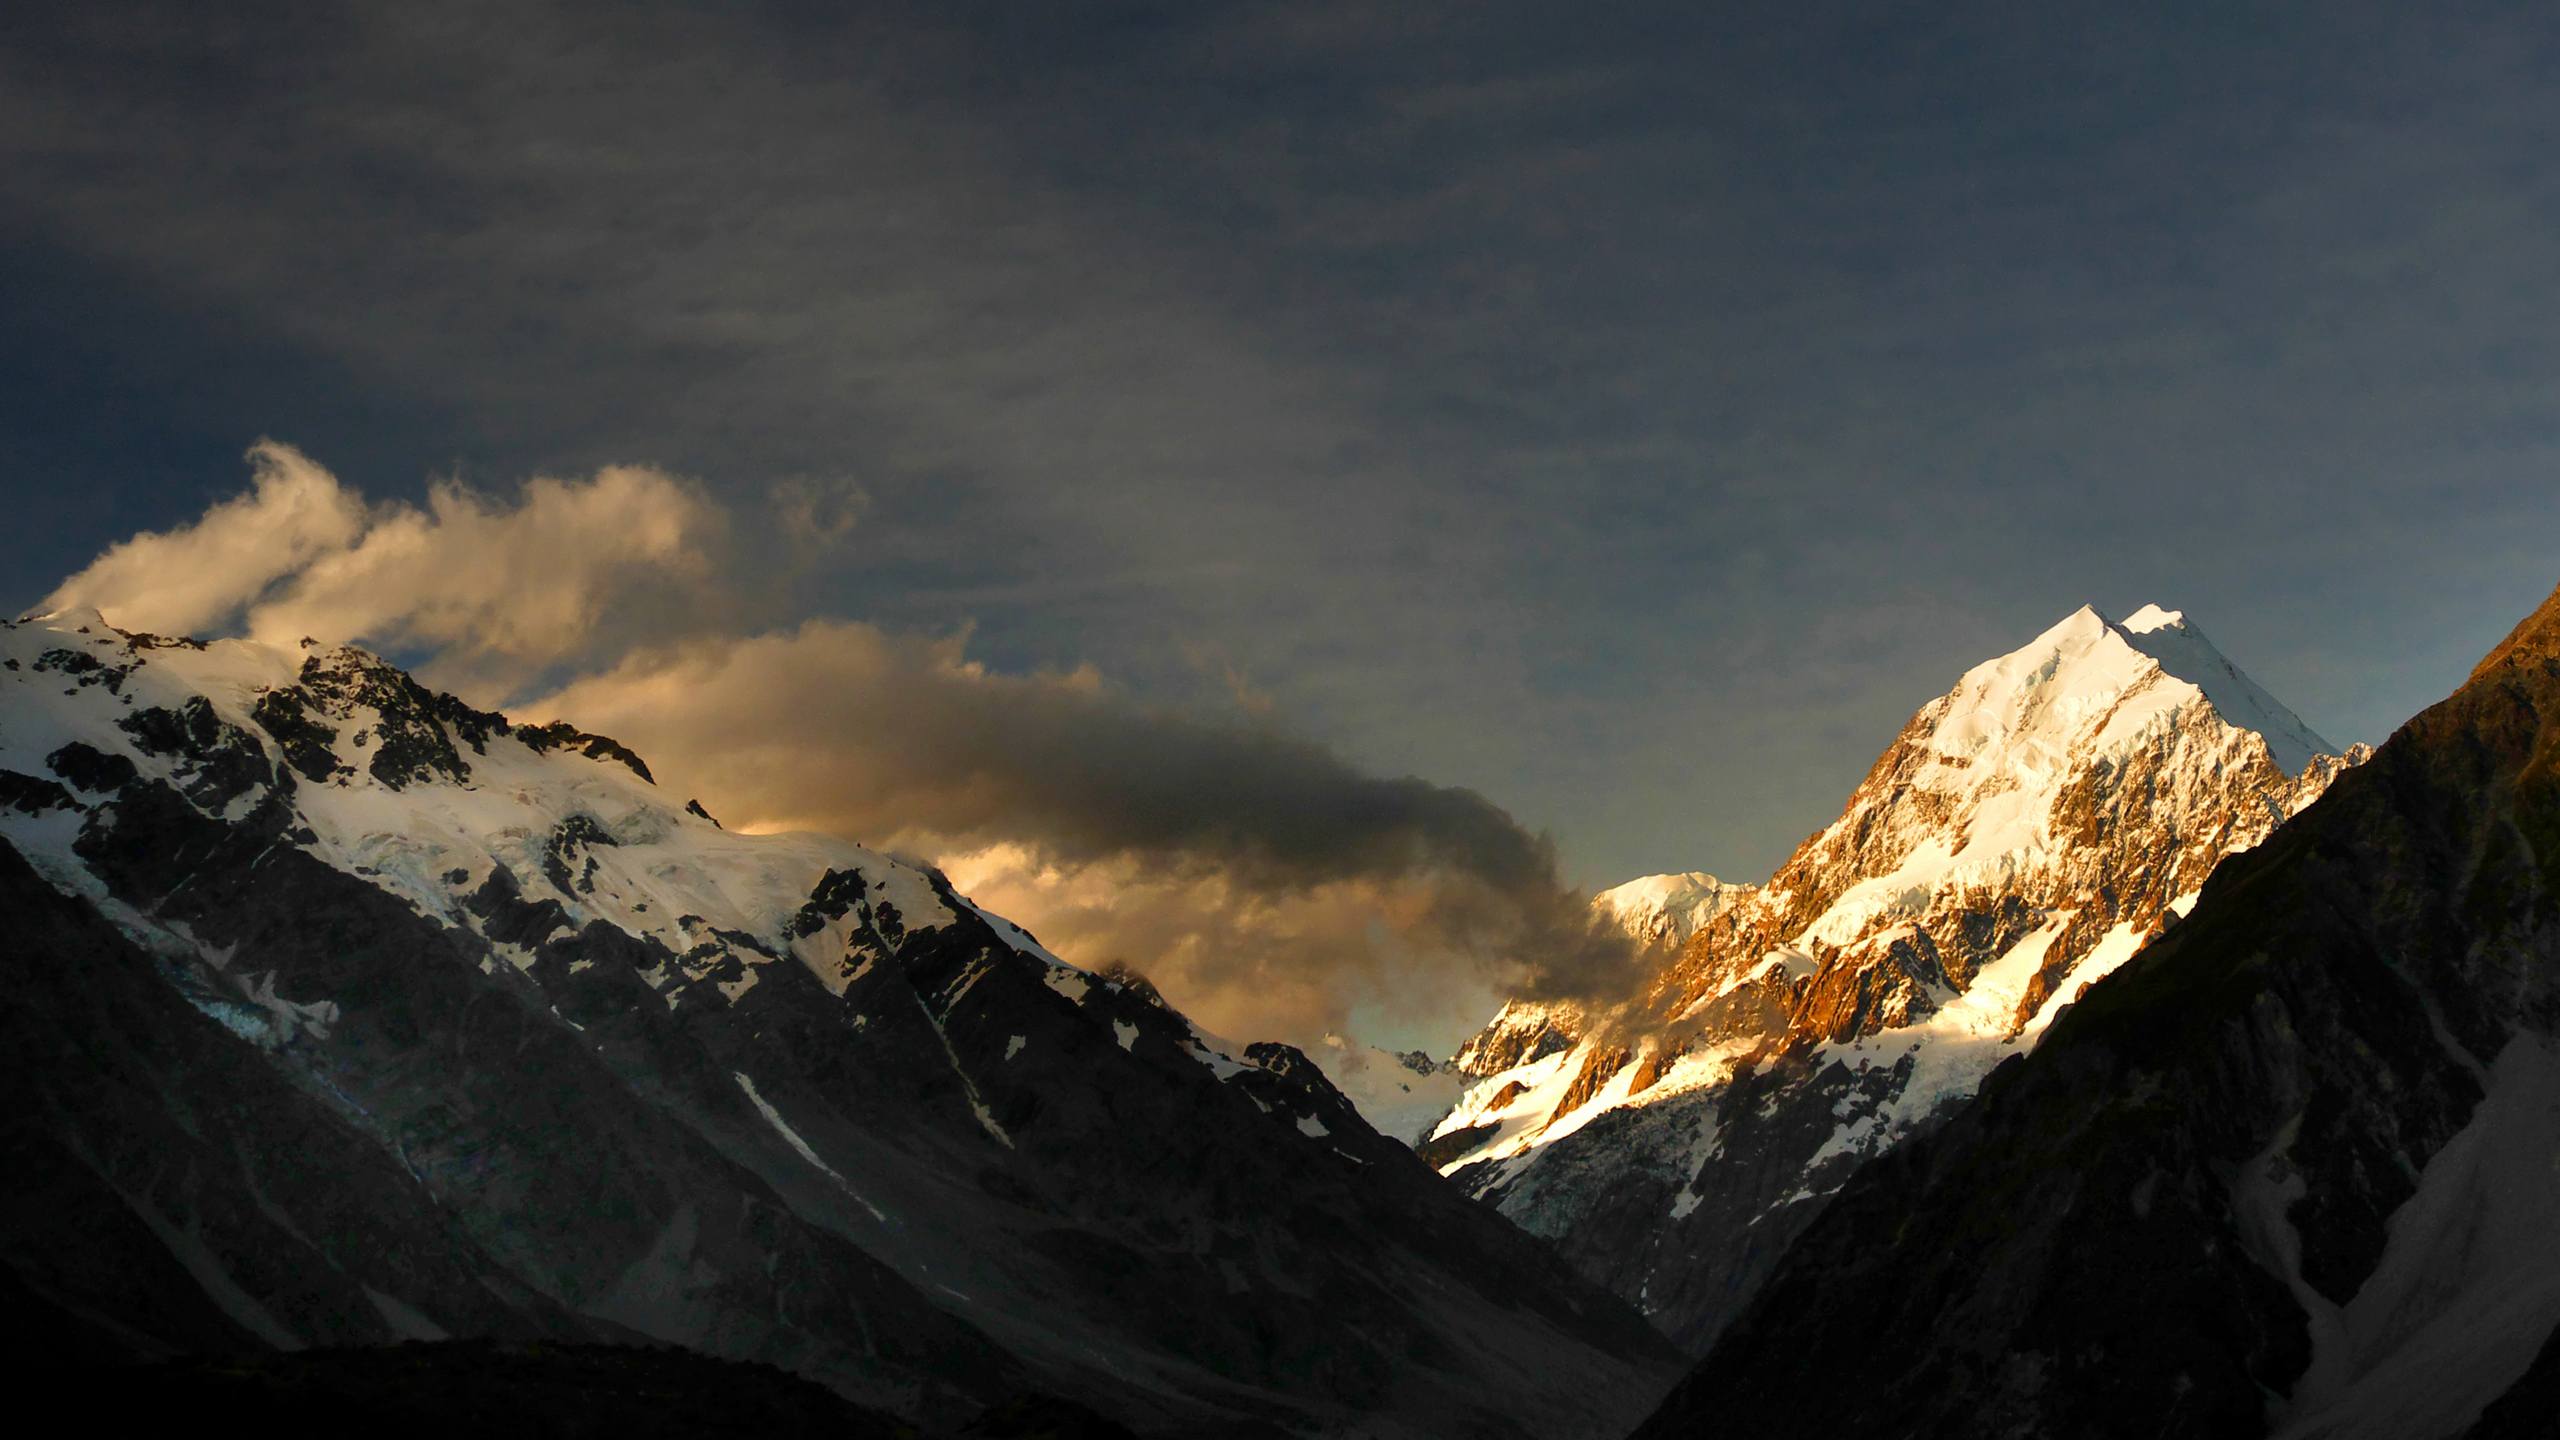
(2291, 1170)
(344, 1013)
(1401, 1093)
(2022, 836)
(1408, 1094)
(1668, 909)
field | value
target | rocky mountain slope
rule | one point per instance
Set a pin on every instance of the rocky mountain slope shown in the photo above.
(344, 1013)
(2291, 1169)
(2023, 836)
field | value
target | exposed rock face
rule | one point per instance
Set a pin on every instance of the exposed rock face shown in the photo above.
(2293, 1168)
(2022, 836)
(344, 1013)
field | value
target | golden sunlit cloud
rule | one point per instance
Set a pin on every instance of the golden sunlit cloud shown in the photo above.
(494, 590)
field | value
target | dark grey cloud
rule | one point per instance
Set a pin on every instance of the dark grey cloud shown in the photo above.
(1154, 828)
(1630, 415)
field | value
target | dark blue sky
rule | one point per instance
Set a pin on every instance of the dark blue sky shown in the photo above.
(1630, 415)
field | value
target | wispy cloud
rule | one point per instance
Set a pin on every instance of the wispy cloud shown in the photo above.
(491, 590)
(202, 575)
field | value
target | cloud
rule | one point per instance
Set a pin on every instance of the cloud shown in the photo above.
(479, 581)
(1245, 963)
(916, 739)
(493, 590)
(200, 577)
(1264, 881)
(815, 515)
(1245, 867)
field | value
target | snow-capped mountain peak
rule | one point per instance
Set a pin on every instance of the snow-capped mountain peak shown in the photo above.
(2129, 674)
(2183, 652)
(2000, 780)
(2150, 618)
(2020, 838)
(454, 811)
(1667, 909)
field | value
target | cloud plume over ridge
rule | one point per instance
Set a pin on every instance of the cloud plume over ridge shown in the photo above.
(1266, 882)
(1195, 849)
(493, 590)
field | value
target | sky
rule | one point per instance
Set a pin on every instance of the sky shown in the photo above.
(1510, 426)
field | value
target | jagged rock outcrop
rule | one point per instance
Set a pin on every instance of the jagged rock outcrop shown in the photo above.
(344, 1013)
(2291, 1169)
(2022, 836)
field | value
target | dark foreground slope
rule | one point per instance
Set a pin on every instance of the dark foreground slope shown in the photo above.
(476, 1387)
(2293, 1168)
(534, 1390)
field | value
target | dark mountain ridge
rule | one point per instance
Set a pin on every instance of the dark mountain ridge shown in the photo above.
(345, 1014)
